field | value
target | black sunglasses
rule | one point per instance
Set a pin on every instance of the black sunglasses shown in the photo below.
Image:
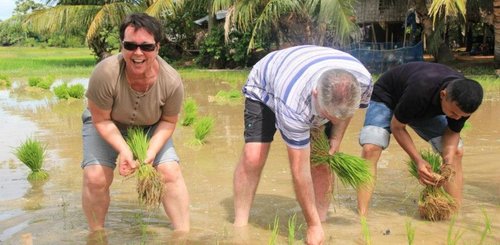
(148, 47)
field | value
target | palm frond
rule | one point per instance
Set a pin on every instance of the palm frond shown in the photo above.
(161, 6)
(110, 14)
(447, 8)
(338, 16)
(270, 14)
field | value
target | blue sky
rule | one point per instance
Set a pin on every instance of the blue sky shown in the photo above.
(6, 8)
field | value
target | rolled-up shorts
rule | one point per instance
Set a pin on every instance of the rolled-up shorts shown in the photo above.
(96, 151)
(260, 123)
(377, 127)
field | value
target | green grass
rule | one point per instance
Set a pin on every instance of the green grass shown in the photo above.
(5, 81)
(24, 62)
(189, 112)
(202, 128)
(32, 153)
(228, 96)
(410, 232)
(232, 77)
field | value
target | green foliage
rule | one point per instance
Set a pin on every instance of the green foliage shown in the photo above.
(190, 112)
(487, 227)
(149, 184)
(202, 128)
(32, 153)
(225, 96)
(366, 231)
(76, 91)
(22, 62)
(410, 232)
(4, 81)
(213, 53)
(61, 91)
(138, 142)
(434, 160)
(452, 239)
(34, 81)
(275, 231)
(351, 170)
(46, 82)
(292, 229)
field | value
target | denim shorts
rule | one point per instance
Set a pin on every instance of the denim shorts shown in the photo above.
(377, 127)
(96, 151)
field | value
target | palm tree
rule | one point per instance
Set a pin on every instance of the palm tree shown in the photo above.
(292, 21)
(99, 17)
(434, 22)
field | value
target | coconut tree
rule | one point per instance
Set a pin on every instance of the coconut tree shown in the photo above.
(98, 17)
(434, 19)
(291, 21)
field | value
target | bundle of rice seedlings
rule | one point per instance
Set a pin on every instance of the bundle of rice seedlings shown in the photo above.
(434, 202)
(190, 110)
(32, 153)
(149, 184)
(202, 128)
(351, 170)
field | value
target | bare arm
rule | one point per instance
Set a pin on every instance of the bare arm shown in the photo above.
(163, 132)
(110, 133)
(302, 181)
(403, 138)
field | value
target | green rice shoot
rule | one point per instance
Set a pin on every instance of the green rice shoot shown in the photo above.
(351, 170)
(190, 110)
(434, 203)
(487, 227)
(228, 96)
(293, 229)
(149, 184)
(366, 230)
(32, 153)
(202, 128)
(4, 81)
(410, 232)
(275, 231)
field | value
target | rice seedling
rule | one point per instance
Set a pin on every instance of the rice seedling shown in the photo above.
(190, 111)
(34, 81)
(366, 231)
(453, 239)
(149, 184)
(46, 82)
(434, 202)
(410, 232)
(32, 153)
(4, 81)
(76, 91)
(61, 91)
(351, 170)
(202, 128)
(275, 231)
(224, 96)
(487, 227)
(292, 229)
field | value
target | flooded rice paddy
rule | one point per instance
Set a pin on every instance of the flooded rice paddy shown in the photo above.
(51, 213)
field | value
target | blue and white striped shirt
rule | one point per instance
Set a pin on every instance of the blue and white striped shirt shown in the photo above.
(284, 79)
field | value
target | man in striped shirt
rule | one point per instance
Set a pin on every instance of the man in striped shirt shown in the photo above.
(294, 90)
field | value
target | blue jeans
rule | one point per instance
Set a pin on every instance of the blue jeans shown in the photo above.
(377, 127)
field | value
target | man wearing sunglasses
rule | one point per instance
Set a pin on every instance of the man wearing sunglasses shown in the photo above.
(133, 88)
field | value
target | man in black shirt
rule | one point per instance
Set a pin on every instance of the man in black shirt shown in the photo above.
(432, 99)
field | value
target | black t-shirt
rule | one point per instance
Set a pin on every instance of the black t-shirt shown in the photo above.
(412, 91)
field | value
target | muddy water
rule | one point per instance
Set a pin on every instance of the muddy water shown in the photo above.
(51, 213)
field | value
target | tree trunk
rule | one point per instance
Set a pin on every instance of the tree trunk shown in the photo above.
(496, 12)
